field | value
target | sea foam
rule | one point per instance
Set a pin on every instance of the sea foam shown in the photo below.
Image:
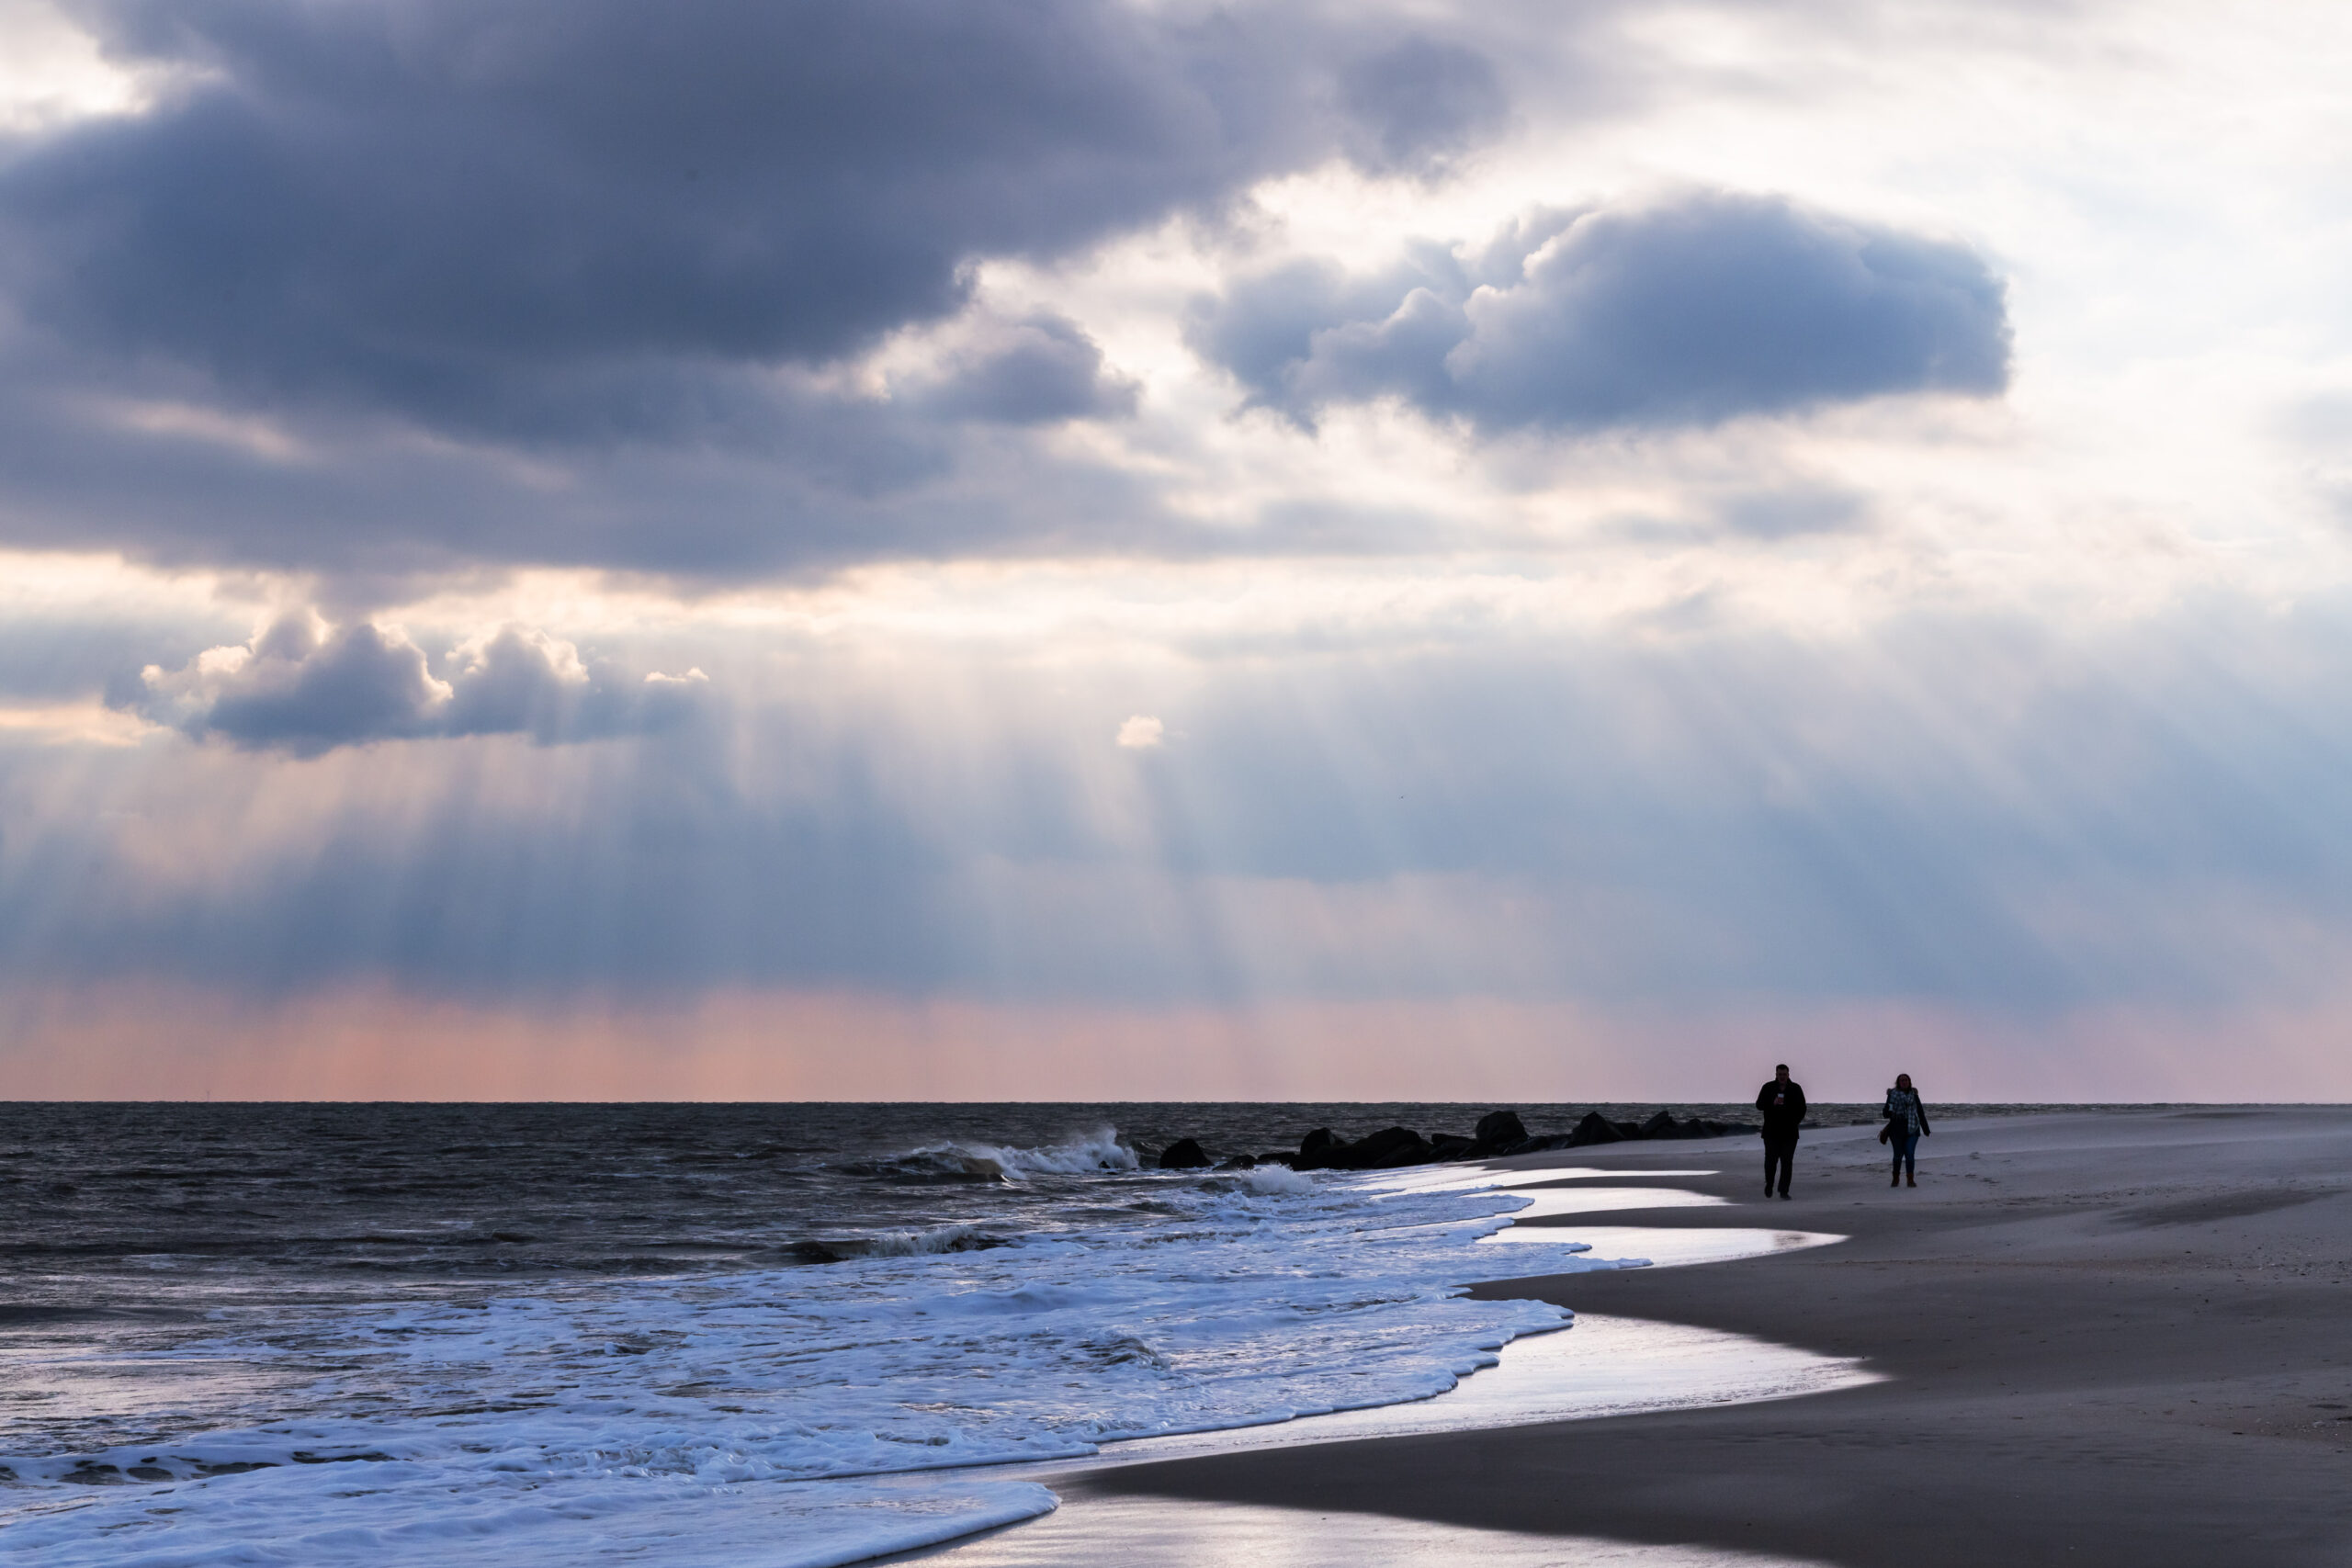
(831, 1412)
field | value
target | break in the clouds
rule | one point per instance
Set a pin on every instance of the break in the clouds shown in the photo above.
(1687, 311)
(2069, 820)
(304, 687)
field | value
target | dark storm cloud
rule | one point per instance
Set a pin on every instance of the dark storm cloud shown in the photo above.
(605, 259)
(301, 688)
(1687, 312)
(452, 209)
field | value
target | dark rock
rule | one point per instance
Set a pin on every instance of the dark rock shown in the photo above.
(1544, 1145)
(1279, 1156)
(1238, 1162)
(1497, 1131)
(1183, 1155)
(1594, 1129)
(1446, 1146)
(1660, 1126)
(1388, 1147)
(1697, 1127)
(1627, 1129)
(1500, 1127)
(813, 1252)
(1318, 1142)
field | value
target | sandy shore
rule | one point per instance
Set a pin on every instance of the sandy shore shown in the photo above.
(2122, 1338)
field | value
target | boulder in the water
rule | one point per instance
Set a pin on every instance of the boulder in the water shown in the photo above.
(1183, 1155)
(1497, 1131)
(1388, 1147)
(1661, 1125)
(1238, 1162)
(1594, 1129)
(1449, 1145)
(1544, 1145)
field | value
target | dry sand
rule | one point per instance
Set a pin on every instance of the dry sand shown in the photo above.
(2120, 1337)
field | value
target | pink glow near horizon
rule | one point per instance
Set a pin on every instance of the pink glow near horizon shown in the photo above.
(159, 1043)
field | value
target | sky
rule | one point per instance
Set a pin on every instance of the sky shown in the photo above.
(1032, 549)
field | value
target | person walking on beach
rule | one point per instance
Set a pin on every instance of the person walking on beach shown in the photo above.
(1782, 1103)
(1906, 1123)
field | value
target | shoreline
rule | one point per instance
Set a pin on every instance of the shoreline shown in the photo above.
(1591, 1368)
(2109, 1337)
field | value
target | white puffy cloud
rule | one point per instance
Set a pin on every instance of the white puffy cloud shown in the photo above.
(305, 687)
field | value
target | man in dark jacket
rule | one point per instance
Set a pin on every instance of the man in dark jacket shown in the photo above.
(1782, 1103)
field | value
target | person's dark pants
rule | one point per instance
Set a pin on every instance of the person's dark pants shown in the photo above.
(1780, 1159)
(1906, 1147)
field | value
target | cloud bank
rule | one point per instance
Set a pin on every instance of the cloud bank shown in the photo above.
(403, 287)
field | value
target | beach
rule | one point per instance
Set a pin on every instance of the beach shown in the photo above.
(803, 1337)
(2122, 1336)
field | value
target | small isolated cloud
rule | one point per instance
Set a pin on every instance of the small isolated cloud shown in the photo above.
(1041, 369)
(1684, 313)
(305, 687)
(1142, 733)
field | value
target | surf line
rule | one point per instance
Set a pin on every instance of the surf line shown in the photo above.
(1591, 1366)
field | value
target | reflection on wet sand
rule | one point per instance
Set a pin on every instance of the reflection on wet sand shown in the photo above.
(1666, 1248)
(1160, 1532)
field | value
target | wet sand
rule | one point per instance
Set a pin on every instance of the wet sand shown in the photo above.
(2122, 1338)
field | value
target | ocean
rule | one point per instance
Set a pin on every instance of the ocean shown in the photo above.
(527, 1334)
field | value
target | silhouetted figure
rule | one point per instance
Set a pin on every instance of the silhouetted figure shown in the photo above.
(1906, 1123)
(1782, 1103)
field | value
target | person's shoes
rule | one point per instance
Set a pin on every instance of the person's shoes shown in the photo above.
(1784, 1196)
(1895, 1181)
(1911, 1182)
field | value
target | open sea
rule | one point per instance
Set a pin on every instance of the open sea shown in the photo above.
(778, 1334)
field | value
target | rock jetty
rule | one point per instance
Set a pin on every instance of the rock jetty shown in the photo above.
(1499, 1133)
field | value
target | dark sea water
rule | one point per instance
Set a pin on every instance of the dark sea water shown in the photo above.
(94, 1198)
(538, 1320)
